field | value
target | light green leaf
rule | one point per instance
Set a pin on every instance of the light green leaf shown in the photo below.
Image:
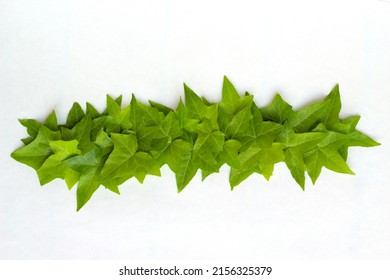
(303, 142)
(208, 141)
(238, 175)
(76, 114)
(232, 102)
(187, 170)
(239, 125)
(195, 106)
(91, 110)
(160, 107)
(35, 153)
(51, 121)
(278, 111)
(294, 162)
(327, 157)
(54, 167)
(270, 156)
(229, 153)
(32, 126)
(87, 186)
(125, 147)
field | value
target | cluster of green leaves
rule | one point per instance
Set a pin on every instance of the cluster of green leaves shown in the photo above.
(111, 147)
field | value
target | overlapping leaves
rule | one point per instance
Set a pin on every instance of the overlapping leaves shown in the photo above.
(106, 149)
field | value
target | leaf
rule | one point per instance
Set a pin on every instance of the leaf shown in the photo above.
(35, 153)
(54, 167)
(195, 106)
(76, 114)
(303, 142)
(208, 140)
(117, 119)
(331, 114)
(237, 176)
(91, 110)
(32, 126)
(87, 186)
(304, 119)
(81, 132)
(269, 157)
(125, 146)
(97, 126)
(239, 125)
(258, 159)
(232, 102)
(327, 157)
(160, 107)
(263, 135)
(135, 114)
(173, 154)
(294, 162)
(278, 111)
(326, 111)
(185, 122)
(51, 121)
(187, 170)
(229, 153)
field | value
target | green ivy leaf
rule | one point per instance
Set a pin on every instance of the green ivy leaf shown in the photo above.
(278, 111)
(35, 153)
(294, 161)
(54, 167)
(327, 157)
(76, 114)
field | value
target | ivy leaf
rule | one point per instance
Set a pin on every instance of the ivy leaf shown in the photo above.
(125, 146)
(326, 111)
(173, 154)
(97, 126)
(304, 119)
(32, 126)
(237, 176)
(303, 142)
(51, 121)
(54, 167)
(91, 110)
(81, 132)
(232, 102)
(124, 162)
(117, 119)
(76, 114)
(257, 159)
(195, 106)
(269, 157)
(185, 122)
(229, 153)
(331, 113)
(278, 111)
(89, 166)
(160, 107)
(240, 124)
(208, 140)
(87, 186)
(327, 157)
(263, 134)
(187, 170)
(35, 153)
(294, 162)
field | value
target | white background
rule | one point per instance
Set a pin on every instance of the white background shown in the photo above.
(53, 53)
